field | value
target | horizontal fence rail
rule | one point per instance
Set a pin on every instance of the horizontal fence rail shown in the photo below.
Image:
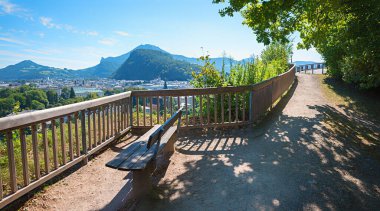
(40, 145)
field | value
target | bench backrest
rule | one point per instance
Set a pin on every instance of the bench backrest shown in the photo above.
(156, 136)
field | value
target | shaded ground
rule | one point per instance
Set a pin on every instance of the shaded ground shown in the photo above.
(316, 151)
(309, 154)
(92, 187)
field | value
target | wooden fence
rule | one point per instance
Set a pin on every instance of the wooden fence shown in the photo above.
(42, 144)
(311, 68)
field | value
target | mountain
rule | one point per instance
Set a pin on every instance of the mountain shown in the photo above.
(27, 70)
(109, 65)
(298, 63)
(218, 61)
(146, 64)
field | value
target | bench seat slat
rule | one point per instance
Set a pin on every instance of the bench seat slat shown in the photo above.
(130, 161)
(125, 154)
(130, 150)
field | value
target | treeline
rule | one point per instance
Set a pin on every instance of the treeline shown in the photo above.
(28, 97)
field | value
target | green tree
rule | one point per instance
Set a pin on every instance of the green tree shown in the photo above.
(345, 33)
(72, 93)
(52, 97)
(6, 106)
(37, 95)
(36, 105)
(65, 93)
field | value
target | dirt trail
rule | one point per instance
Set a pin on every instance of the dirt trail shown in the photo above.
(306, 155)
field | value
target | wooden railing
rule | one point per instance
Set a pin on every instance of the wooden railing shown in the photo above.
(42, 144)
(311, 68)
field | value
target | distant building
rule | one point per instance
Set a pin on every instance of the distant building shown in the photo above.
(84, 92)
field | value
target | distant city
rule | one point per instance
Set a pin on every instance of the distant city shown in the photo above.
(84, 87)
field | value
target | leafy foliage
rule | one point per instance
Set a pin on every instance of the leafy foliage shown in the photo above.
(273, 61)
(346, 33)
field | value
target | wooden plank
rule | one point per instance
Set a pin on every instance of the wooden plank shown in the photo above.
(191, 91)
(129, 104)
(69, 131)
(11, 162)
(89, 128)
(194, 118)
(236, 107)
(229, 108)
(144, 110)
(111, 111)
(158, 109)
(243, 103)
(151, 111)
(63, 141)
(36, 158)
(94, 128)
(108, 127)
(215, 108)
(46, 148)
(187, 113)
(104, 123)
(55, 144)
(171, 105)
(24, 158)
(137, 110)
(178, 102)
(76, 116)
(17, 121)
(125, 154)
(165, 106)
(200, 110)
(83, 131)
(208, 109)
(99, 130)
(222, 107)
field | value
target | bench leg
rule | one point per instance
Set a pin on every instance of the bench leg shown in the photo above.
(142, 180)
(169, 148)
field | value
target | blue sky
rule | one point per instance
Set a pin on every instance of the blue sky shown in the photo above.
(76, 34)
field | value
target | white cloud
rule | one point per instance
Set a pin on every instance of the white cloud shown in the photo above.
(92, 33)
(108, 41)
(122, 33)
(10, 40)
(8, 7)
(48, 22)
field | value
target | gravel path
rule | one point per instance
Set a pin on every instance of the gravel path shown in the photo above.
(308, 154)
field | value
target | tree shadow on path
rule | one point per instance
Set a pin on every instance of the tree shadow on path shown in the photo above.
(287, 162)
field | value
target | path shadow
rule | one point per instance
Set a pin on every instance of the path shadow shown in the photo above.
(324, 162)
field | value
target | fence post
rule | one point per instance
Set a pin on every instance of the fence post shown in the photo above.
(251, 106)
(312, 69)
(84, 143)
(322, 68)
(131, 111)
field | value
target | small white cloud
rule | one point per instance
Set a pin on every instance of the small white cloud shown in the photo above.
(92, 33)
(41, 35)
(8, 7)
(47, 22)
(10, 40)
(107, 41)
(122, 33)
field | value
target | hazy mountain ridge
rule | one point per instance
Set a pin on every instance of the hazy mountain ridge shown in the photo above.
(28, 70)
(106, 68)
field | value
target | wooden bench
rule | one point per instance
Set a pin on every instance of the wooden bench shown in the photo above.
(140, 157)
